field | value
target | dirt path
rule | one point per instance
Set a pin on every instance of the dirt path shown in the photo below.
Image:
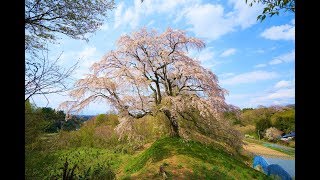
(264, 151)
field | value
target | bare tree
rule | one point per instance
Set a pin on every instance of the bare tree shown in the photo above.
(46, 77)
(43, 21)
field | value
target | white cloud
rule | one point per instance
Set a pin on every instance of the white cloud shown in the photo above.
(260, 65)
(86, 57)
(130, 16)
(284, 58)
(133, 14)
(244, 15)
(165, 6)
(282, 93)
(87, 52)
(118, 15)
(211, 21)
(206, 57)
(282, 32)
(249, 77)
(283, 84)
(225, 75)
(208, 21)
(228, 52)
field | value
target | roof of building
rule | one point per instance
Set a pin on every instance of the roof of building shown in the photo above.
(291, 134)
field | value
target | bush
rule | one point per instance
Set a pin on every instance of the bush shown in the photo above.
(34, 125)
(106, 119)
(292, 144)
(103, 172)
(89, 136)
(248, 129)
(150, 128)
(272, 134)
(54, 119)
(71, 124)
(71, 171)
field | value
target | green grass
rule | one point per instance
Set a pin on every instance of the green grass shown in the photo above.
(287, 150)
(204, 161)
(43, 165)
(290, 152)
(186, 160)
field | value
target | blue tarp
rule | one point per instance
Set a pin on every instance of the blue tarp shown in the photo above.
(287, 164)
(275, 166)
(258, 160)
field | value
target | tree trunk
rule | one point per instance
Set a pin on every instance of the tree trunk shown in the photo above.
(173, 122)
(158, 92)
(170, 88)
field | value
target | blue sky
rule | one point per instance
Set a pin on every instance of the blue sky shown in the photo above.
(254, 61)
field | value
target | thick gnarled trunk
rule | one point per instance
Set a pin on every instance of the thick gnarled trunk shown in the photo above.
(173, 122)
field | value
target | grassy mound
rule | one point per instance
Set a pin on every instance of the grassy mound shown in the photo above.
(187, 160)
(180, 159)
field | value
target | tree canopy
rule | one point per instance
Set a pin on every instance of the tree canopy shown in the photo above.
(150, 72)
(44, 19)
(147, 67)
(273, 7)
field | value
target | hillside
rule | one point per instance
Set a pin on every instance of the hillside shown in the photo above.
(187, 160)
(180, 159)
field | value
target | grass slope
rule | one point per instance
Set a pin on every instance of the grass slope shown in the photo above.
(187, 160)
(181, 160)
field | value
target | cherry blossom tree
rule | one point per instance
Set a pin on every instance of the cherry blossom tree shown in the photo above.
(150, 71)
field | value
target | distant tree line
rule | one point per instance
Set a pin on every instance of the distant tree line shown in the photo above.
(262, 118)
(39, 120)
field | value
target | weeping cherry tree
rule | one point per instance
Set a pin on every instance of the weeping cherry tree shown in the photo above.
(149, 71)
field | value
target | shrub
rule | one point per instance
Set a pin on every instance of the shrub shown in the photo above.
(89, 136)
(103, 172)
(150, 128)
(292, 144)
(248, 129)
(97, 172)
(101, 118)
(34, 125)
(106, 119)
(71, 125)
(272, 134)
